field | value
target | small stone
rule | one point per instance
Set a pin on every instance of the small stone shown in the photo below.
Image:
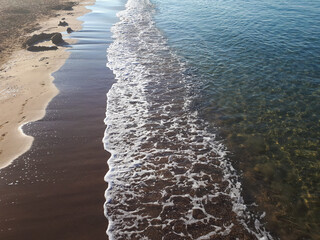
(43, 58)
(63, 23)
(69, 30)
(198, 214)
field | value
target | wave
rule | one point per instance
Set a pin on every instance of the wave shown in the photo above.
(169, 177)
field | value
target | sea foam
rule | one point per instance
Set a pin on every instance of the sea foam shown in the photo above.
(169, 178)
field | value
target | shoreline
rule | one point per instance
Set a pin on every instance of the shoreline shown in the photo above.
(56, 189)
(27, 85)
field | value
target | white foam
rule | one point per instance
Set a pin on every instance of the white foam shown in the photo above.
(165, 168)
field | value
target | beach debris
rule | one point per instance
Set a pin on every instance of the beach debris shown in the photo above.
(57, 39)
(63, 23)
(43, 58)
(69, 30)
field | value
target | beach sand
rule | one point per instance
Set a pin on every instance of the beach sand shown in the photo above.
(56, 189)
(19, 18)
(26, 85)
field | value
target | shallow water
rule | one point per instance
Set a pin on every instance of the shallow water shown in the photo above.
(169, 177)
(204, 87)
(257, 68)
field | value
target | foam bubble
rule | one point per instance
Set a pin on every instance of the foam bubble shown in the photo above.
(168, 175)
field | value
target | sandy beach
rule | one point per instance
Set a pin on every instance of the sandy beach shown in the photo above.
(26, 84)
(56, 189)
(150, 119)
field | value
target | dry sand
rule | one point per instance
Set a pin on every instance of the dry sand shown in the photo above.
(26, 85)
(18, 18)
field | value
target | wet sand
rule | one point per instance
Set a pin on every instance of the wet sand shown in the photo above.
(26, 84)
(56, 189)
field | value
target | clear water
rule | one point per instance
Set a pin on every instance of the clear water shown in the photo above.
(204, 87)
(257, 68)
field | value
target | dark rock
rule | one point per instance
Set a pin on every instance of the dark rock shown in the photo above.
(63, 23)
(198, 214)
(63, 18)
(57, 39)
(69, 30)
(41, 48)
(36, 38)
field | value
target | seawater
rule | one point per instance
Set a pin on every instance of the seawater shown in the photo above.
(214, 121)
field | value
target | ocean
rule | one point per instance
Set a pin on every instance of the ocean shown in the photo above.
(214, 120)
